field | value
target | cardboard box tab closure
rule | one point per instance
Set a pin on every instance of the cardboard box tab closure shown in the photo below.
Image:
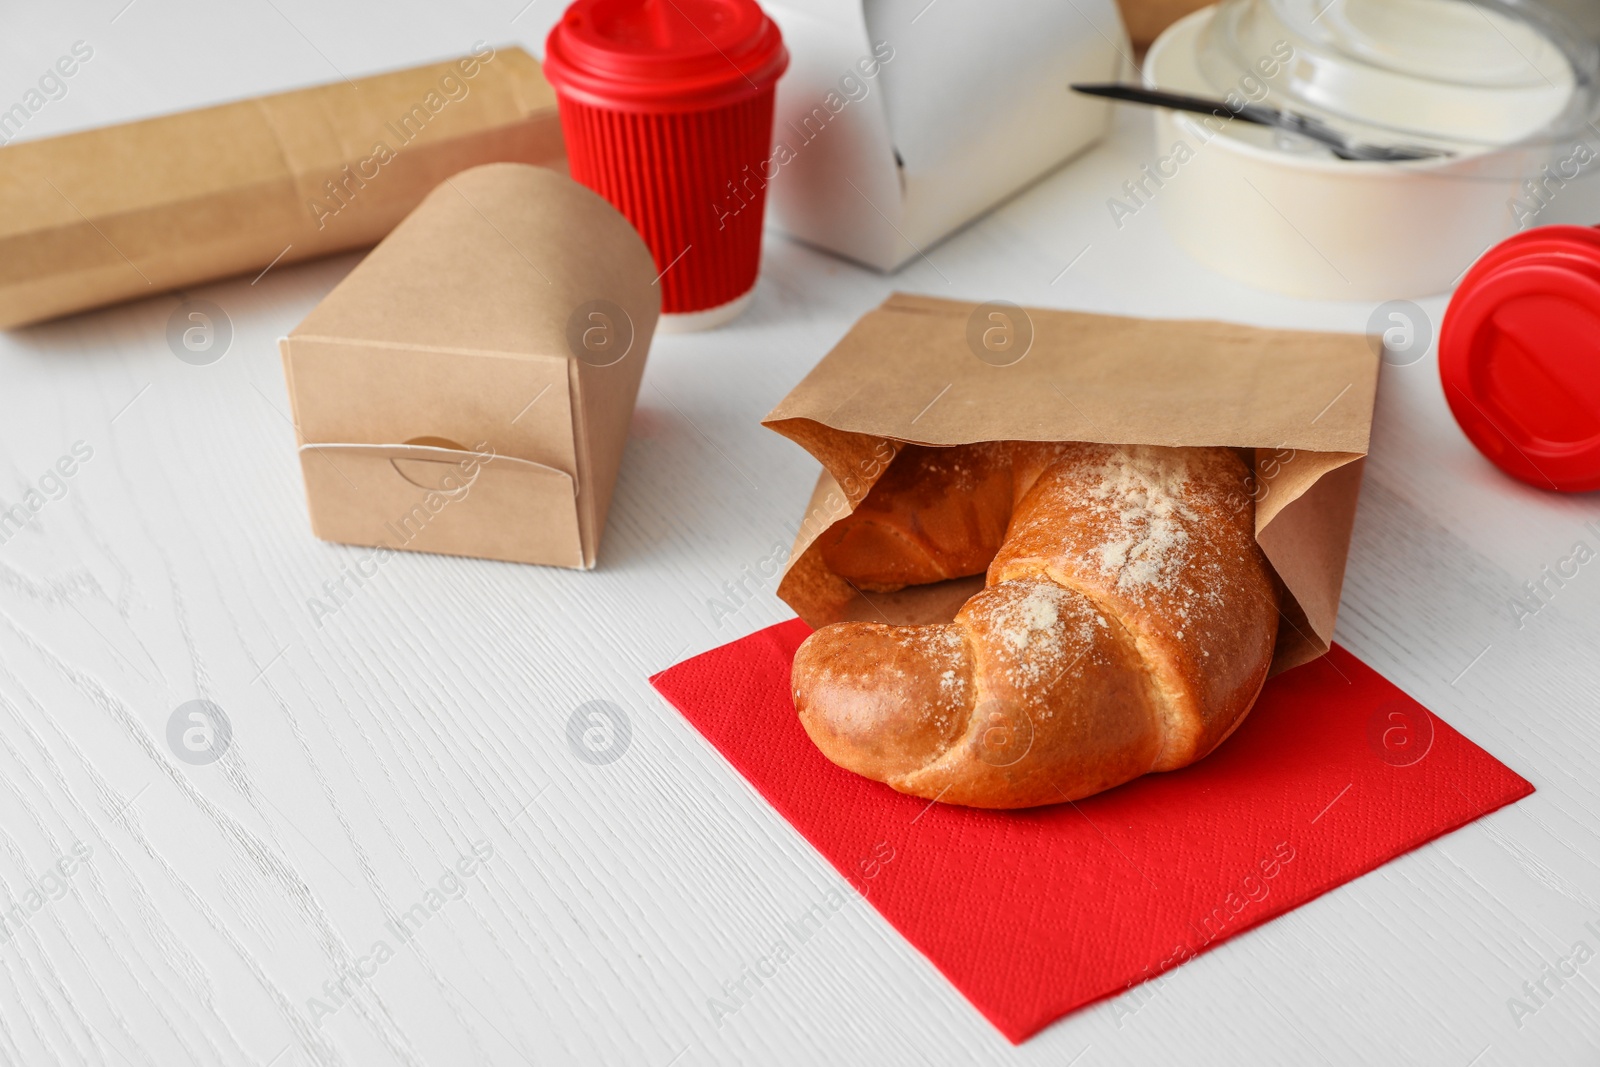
(467, 388)
(917, 370)
(128, 211)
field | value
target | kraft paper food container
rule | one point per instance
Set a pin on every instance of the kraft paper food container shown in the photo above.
(900, 121)
(924, 371)
(1146, 19)
(112, 214)
(467, 388)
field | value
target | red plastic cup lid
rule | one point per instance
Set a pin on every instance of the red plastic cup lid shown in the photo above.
(664, 55)
(1519, 355)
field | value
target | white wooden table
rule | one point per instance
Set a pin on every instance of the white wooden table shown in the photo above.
(429, 715)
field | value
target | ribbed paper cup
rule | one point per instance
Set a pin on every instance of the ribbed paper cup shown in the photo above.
(666, 107)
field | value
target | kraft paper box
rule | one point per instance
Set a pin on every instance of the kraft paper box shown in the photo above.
(1147, 18)
(106, 215)
(899, 121)
(467, 388)
(910, 372)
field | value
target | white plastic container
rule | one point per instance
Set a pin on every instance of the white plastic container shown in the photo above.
(1272, 211)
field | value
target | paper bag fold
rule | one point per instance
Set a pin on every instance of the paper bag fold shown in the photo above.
(914, 371)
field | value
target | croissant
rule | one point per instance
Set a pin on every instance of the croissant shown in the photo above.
(1126, 625)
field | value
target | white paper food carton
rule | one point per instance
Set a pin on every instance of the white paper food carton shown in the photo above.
(899, 121)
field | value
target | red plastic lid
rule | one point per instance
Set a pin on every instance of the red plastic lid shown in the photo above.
(664, 55)
(1519, 354)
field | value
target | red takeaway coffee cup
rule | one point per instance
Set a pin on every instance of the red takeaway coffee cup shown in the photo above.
(666, 107)
(1519, 355)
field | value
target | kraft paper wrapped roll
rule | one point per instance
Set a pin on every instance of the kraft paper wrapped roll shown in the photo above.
(122, 212)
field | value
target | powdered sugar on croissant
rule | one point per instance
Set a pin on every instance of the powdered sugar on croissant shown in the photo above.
(1126, 626)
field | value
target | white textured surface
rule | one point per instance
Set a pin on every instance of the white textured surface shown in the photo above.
(430, 710)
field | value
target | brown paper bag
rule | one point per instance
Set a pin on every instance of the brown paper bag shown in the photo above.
(938, 372)
(121, 212)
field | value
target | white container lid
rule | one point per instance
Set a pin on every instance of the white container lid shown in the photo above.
(1466, 76)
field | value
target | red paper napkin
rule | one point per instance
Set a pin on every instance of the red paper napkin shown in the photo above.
(1032, 914)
